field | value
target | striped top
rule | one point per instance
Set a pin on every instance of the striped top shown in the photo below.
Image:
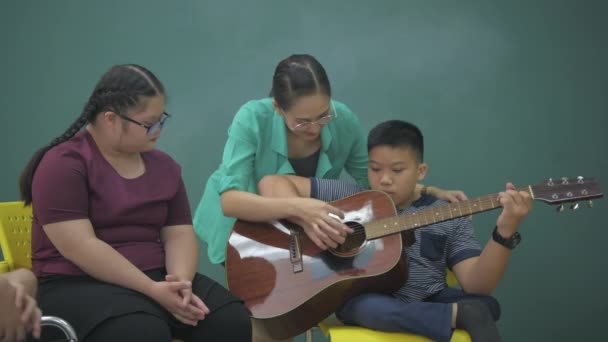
(438, 246)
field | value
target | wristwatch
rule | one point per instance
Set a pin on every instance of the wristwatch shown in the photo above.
(509, 242)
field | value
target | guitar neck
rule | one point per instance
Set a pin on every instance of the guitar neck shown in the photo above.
(420, 218)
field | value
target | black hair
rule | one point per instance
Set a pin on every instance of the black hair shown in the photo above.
(298, 75)
(121, 88)
(397, 133)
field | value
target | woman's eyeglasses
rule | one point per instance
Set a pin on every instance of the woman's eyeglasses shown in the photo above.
(323, 120)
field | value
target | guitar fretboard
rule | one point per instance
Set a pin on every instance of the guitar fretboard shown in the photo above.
(425, 217)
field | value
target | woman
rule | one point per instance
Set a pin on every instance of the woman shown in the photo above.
(298, 130)
(112, 240)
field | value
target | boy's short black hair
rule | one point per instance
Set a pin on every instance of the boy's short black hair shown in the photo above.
(397, 133)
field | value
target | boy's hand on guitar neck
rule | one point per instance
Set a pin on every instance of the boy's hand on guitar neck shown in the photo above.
(314, 217)
(516, 205)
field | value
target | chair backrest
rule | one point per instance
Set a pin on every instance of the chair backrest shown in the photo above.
(16, 244)
(16, 234)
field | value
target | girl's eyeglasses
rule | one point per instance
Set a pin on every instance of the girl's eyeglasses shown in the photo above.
(152, 129)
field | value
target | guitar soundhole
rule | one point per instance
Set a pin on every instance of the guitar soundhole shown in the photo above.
(354, 241)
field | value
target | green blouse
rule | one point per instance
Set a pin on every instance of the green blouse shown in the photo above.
(257, 146)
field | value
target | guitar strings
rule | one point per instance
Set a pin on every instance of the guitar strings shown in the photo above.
(429, 214)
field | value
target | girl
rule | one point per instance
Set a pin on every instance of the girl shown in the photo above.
(112, 239)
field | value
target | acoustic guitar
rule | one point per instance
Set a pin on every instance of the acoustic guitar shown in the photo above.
(290, 285)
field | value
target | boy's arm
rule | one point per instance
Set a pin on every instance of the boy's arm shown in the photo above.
(327, 190)
(25, 278)
(11, 328)
(482, 274)
(19, 310)
(284, 186)
(277, 199)
(452, 196)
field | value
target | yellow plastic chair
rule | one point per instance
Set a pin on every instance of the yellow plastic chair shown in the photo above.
(4, 266)
(16, 245)
(338, 332)
(15, 242)
(16, 235)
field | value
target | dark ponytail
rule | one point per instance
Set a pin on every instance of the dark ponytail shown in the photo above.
(298, 75)
(119, 89)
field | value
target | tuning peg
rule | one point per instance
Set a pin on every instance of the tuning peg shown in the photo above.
(590, 204)
(574, 206)
(560, 208)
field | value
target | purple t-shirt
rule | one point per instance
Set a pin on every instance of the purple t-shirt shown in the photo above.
(74, 181)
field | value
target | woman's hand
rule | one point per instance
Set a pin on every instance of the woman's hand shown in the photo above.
(315, 217)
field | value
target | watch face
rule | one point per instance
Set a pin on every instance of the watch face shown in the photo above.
(514, 240)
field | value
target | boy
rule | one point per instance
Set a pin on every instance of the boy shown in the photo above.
(424, 305)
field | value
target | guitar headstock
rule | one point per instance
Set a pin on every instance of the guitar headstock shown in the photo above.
(564, 190)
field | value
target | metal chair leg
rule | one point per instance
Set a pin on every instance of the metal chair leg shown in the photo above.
(309, 335)
(64, 326)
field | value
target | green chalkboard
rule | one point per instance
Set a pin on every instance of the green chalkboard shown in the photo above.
(503, 91)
